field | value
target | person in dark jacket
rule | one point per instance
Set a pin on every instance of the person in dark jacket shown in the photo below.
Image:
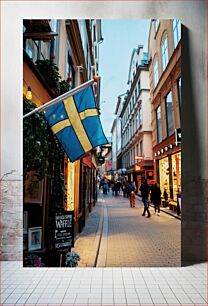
(124, 189)
(144, 188)
(156, 198)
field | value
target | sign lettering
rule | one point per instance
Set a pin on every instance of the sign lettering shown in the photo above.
(64, 230)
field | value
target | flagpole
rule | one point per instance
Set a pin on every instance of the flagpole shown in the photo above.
(62, 97)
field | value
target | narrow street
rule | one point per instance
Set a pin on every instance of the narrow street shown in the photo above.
(116, 235)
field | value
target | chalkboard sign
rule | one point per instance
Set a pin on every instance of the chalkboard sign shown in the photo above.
(64, 230)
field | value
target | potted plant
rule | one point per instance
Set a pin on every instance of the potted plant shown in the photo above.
(50, 72)
(64, 86)
(72, 259)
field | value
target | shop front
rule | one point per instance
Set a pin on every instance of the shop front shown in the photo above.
(144, 170)
(168, 170)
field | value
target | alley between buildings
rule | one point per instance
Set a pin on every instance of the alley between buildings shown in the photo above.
(116, 235)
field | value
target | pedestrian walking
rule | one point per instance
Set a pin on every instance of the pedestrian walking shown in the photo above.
(124, 189)
(117, 187)
(105, 187)
(131, 193)
(144, 188)
(113, 187)
(156, 198)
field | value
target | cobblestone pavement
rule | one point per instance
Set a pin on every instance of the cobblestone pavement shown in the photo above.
(128, 239)
(112, 234)
(86, 245)
(134, 240)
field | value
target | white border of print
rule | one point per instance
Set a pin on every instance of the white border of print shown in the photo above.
(37, 245)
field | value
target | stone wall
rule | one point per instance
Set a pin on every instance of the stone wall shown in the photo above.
(11, 209)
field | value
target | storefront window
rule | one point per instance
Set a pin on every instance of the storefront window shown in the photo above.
(176, 174)
(164, 175)
(70, 188)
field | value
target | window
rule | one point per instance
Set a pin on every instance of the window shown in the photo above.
(54, 45)
(176, 26)
(137, 120)
(155, 72)
(156, 24)
(29, 49)
(70, 72)
(140, 116)
(141, 148)
(134, 155)
(179, 90)
(169, 114)
(139, 87)
(159, 124)
(179, 94)
(94, 33)
(164, 51)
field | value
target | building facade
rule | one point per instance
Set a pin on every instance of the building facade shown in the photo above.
(165, 94)
(136, 133)
(116, 137)
(58, 56)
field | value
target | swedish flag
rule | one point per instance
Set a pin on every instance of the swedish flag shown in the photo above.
(76, 124)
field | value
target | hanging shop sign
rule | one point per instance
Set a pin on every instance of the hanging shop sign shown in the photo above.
(64, 230)
(178, 136)
(137, 168)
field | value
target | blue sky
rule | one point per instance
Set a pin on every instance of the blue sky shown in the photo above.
(120, 38)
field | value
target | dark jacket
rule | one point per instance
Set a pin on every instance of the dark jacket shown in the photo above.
(129, 187)
(156, 196)
(144, 188)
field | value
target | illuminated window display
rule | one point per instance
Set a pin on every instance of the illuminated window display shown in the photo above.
(70, 189)
(164, 175)
(176, 174)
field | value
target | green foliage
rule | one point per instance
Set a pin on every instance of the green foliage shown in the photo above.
(64, 86)
(35, 141)
(50, 71)
(44, 155)
(72, 259)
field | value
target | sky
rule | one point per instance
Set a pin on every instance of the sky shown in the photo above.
(120, 38)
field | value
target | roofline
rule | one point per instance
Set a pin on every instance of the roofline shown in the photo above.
(133, 52)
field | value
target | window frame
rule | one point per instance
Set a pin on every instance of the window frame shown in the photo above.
(154, 71)
(169, 133)
(159, 127)
(164, 52)
(176, 28)
(156, 25)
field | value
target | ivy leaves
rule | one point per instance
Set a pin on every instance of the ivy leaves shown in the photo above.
(35, 142)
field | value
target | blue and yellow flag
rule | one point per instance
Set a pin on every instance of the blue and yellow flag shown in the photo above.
(76, 124)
